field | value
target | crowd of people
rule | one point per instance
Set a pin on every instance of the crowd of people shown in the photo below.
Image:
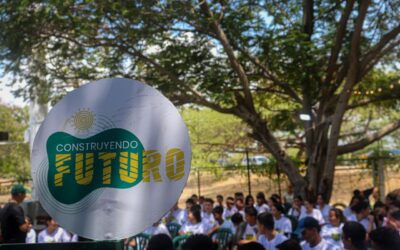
(252, 223)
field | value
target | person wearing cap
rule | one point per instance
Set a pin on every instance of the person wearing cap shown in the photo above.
(13, 225)
(310, 230)
(354, 236)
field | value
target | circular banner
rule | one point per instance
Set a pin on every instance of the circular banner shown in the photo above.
(110, 159)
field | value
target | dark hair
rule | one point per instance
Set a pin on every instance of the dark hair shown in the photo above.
(393, 198)
(194, 195)
(239, 194)
(395, 214)
(197, 242)
(196, 211)
(385, 238)
(379, 204)
(220, 196)
(311, 201)
(260, 195)
(275, 198)
(338, 214)
(356, 233)
(299, 198)
(279, 207)
(201, 197)
(230, 198)
(247, 200)
(322, 196)
(360, 206)
(190, 200)
(290, 244)
(237, 218)
(160, 242)
(251, 246)
(47, 218)
(209, 200)
(251, 211)
(218, 210)
(266, 220)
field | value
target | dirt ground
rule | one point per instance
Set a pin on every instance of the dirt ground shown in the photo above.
(229, 182)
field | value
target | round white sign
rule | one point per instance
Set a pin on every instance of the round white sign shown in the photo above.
(110, 159)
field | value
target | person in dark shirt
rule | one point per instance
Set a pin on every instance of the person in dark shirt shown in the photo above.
(13, 225)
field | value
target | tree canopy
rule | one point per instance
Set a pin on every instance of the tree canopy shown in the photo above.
(266, 62)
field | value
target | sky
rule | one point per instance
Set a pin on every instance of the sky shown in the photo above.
(6, 95)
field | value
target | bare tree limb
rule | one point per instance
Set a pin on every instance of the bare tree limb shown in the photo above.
(341, 31)
(220, 34)
(369, 139)
(381, 98)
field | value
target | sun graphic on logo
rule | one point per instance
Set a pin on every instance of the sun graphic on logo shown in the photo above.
(83, 120)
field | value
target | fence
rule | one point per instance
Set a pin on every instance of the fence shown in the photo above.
(349, 175)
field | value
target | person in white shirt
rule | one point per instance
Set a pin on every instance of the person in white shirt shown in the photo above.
(332, 231)
(207, 216)
(310, 211)
(323, 207)
(31, 235)
(53, 233)
(268, 237)
(247, 231)
(157, 228)
(282, 224)
(175, 214)
(220, 222)
(354, 236)
(189, 204)
(261, 203)
(363, 216)
(310, 229)
(220, 200)
(230, 208)
(194, 224)
(297, 208)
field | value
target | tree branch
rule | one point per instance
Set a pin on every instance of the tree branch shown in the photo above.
(377, 49)
(387, 97)
(369, 139)
(220, 34)
(308, 17)
(340, 33)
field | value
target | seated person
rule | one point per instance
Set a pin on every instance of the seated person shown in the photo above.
(247, 231)
(194, 224)
(53, 233)
(269, 237)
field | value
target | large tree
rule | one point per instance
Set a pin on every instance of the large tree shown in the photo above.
(265, 62)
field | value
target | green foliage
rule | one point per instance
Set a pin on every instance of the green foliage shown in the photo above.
(14, 154)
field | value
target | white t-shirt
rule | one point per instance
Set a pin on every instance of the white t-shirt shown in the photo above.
(325, 211)
(283, 225)
(333, 234)
(270, 245)
(59, 235)
(348, 213)
(250, 233)
(159, 229)
(208, 221)
(323, 245)
(295, 213)
(31, 236)
(190, 228)
(177, 216)
(261, 209)
(364, 222)
(228, 224)
(316, 214)
(228, 213)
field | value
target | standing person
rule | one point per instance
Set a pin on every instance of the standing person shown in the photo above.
(13, 225)
(269, 237)
(53, 233)
(261, 203)
(354, 236)
(288, 197)
(323, 207)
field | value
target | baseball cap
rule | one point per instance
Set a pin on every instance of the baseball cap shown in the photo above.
(306, 223)
(18, 189)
